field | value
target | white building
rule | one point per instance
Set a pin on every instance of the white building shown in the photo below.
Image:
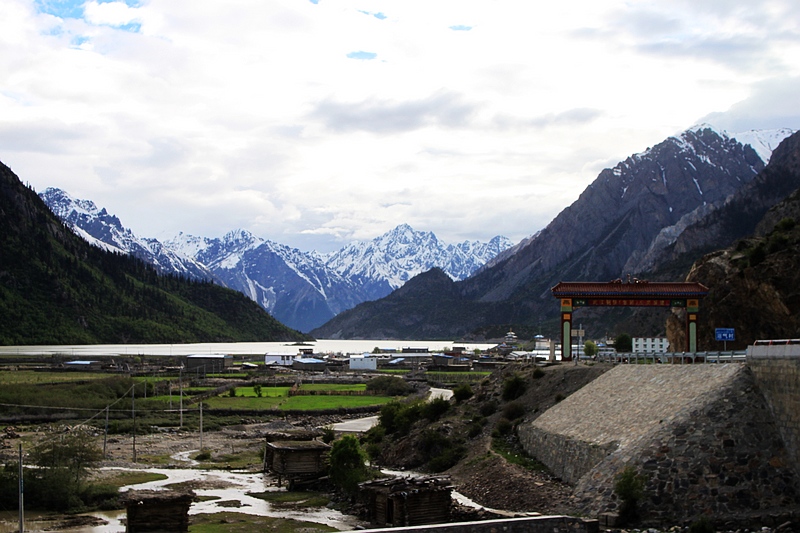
(364, 362)
(650, 344)
(279, 358)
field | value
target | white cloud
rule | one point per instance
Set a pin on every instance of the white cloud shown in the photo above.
(466, 119)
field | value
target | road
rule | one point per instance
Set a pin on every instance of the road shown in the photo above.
(360, 425)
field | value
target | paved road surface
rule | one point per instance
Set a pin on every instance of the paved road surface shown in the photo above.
(360, 425)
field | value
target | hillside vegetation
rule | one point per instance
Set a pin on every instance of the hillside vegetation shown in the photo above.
(57, 289)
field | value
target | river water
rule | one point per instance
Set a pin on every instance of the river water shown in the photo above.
(234, 487)
(233, 348)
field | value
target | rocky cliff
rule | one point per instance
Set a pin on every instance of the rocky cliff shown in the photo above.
(754, 285)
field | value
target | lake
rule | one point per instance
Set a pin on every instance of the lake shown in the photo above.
(233, 348)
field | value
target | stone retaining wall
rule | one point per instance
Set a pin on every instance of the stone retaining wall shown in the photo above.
(534, 524)
(702, 436)
(779, 379)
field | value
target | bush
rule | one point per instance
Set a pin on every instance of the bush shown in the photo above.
(629, 488)
(348, 464)
(703, 525)
(514, 387)
(328, 434)
(389, 386)
(435, 409)
(503, 427)
(462, 392)
(444, 452)
(397, 417)
(488, 408)
(514, 410)
(538, 373)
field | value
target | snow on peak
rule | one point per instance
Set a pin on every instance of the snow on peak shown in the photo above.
(763, 141)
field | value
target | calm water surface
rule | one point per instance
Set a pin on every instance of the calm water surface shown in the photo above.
(234, 348)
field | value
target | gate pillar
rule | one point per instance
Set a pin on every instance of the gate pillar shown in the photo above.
(692, 309)
(566, 329)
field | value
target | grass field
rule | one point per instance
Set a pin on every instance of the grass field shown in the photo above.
(30, 377)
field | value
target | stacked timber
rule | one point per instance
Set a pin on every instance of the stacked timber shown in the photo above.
(154, 511)
(296, 460)
(406, 501)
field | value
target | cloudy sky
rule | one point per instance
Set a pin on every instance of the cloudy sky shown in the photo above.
(317, 122)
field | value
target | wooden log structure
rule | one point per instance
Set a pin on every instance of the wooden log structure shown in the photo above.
(157, 511)
(296, 460)
(405, 501)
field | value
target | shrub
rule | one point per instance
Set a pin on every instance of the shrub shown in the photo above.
(629, 488)
(503, 427)
(328, 434)
(444, 452)
(204, 455)
(435, 409)
(514, 387)
(389, 386)
(397, 417)
(703, 525)
(462, 392)
(488, 408)
(348, 464)
(514, 410)
(538, 373)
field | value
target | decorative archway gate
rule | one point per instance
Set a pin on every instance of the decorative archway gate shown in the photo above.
(631, 293)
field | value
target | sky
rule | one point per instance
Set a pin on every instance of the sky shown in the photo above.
(314, 123)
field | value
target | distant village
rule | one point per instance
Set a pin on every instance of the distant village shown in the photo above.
(304, 359)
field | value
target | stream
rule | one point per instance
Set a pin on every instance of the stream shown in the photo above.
(231, 497)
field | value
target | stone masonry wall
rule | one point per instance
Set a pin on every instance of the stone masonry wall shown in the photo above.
(779, 380)
(702, 436)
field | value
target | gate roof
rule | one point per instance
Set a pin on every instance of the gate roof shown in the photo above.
(634, 289)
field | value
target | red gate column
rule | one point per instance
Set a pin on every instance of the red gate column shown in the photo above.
(566, 329)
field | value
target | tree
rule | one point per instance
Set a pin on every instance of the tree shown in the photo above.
(590, 348)
(348, 464)
(623, 343)
(64, 461)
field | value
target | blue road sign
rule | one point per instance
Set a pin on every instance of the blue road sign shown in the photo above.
(725, 334)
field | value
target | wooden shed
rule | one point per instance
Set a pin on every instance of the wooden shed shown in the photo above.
(157, 510)
(296, 461)
(402, 502)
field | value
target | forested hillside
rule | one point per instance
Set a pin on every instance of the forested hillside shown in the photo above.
(57, 289)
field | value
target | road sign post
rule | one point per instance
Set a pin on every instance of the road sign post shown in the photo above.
(725, 335)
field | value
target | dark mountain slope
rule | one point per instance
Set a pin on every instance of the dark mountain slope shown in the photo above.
(414, 311)
(611, 226)
(57, 289)
(754, 285)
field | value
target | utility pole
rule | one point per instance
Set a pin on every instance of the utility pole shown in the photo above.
(133, 413)
(105, 435)
(201, 425)
(21, 493)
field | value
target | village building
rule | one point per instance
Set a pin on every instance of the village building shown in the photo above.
(208, 363)
(279, 358)
(650, 344)
(404, 502)
(296, 461)
(311, 364)
(363, 362)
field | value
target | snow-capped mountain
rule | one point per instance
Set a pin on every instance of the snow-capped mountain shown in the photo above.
(104, 230)
(402, 253)
(302, 290)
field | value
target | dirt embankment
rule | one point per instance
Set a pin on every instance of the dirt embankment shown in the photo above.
(483, 475)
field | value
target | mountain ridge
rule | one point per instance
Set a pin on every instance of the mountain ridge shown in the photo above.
(611, 226)
(301, 289)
